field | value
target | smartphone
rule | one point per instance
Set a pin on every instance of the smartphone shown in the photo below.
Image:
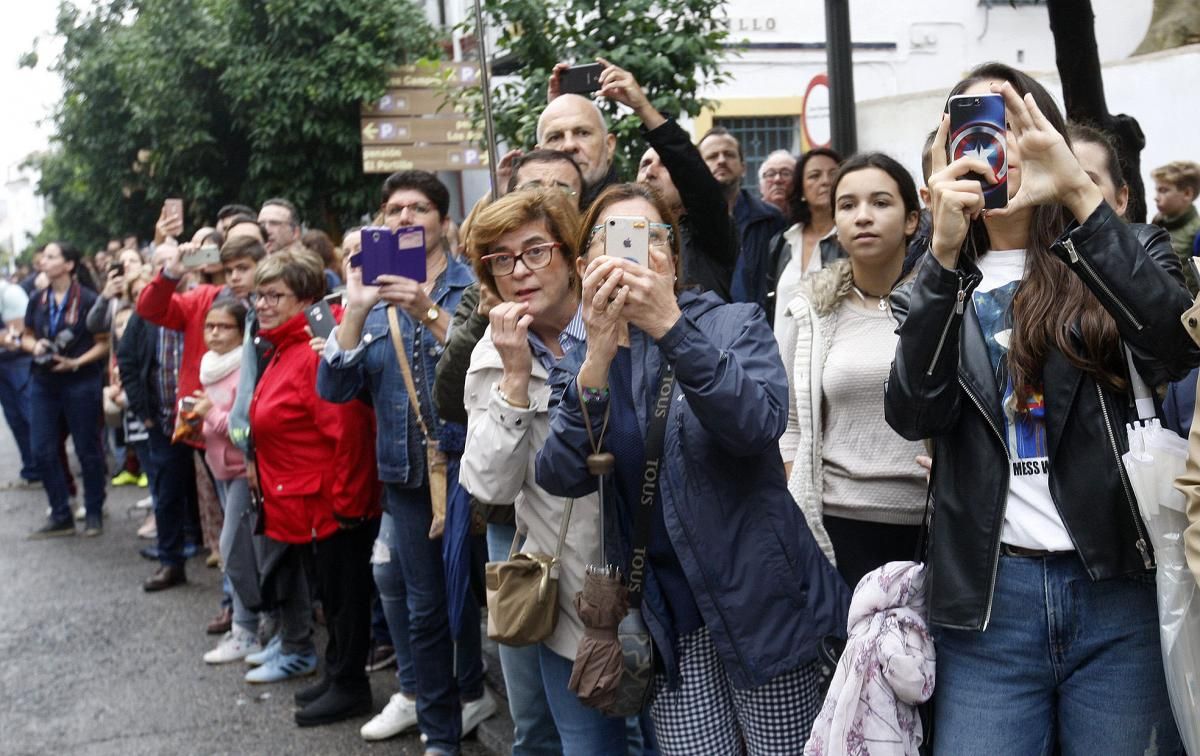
(977, 129)
(116, 266)
(582, 79)
(187, 404)
(320, 319)
(397, 253)
(174, 207)
(207, 254)
(628, 237)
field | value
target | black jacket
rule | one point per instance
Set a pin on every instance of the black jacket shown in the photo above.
(709, 245)
(757, 276)
(942, 387)
(757, 222)
(136, 359)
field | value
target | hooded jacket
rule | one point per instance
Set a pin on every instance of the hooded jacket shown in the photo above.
(765, 591)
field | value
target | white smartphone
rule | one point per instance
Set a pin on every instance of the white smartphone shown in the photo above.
(628, 237)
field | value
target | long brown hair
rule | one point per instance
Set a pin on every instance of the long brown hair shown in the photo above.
(1051, 299)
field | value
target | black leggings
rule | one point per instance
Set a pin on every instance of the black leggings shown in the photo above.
(861, 546)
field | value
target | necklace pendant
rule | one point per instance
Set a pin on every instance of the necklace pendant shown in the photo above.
(883, 304)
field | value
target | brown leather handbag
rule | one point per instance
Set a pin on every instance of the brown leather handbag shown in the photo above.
(522, 593)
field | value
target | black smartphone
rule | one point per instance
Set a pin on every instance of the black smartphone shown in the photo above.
(582, 79)
(116, 266)
(320, 319)
(977, 129)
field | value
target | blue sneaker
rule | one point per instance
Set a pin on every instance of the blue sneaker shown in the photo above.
(269, 652)
(283, 667)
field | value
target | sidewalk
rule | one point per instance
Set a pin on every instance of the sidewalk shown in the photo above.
(93, 665)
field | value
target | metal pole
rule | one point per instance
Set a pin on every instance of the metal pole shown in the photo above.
(843, 125)
(485, 79)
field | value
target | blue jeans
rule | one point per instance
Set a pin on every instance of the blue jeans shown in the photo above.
(1063, 661)
(15, 399)
(77, 402)
(584, 731)
(174, 493)
(412, 588)
(533, 725)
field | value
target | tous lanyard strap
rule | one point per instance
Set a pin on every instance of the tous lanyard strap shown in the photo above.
(656, 433)
(405, 370)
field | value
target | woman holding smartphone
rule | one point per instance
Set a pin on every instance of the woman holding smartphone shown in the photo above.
(68, 367)
(524, 248)
(1041, 576)
(856, 480)
(736, 592)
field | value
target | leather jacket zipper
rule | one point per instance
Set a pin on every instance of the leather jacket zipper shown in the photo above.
(1076, 258)
(959, 306)
(1147, 560)
(987, 617)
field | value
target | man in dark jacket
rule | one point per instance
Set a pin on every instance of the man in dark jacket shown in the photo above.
(673, 167)
(756, 221)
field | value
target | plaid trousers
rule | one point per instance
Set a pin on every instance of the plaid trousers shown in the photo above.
(707, 715)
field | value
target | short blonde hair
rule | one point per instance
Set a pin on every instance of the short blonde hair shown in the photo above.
(515, 209)
(301, 270)
(1182, 173)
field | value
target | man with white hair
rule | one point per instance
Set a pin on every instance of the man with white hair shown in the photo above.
(575, 125)
(775, 179)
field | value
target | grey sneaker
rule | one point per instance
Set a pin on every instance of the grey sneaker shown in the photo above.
(54, 529)
(93, 526)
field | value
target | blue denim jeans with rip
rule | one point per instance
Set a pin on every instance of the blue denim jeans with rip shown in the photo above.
(1064, 662)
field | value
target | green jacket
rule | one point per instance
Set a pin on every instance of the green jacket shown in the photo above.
(1183, 229)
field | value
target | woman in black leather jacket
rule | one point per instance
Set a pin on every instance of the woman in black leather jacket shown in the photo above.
(1041, 586)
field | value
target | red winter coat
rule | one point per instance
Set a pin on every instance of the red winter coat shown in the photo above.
(315, 459)
(162, 305)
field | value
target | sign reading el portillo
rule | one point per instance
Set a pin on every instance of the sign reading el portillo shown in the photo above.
(416, 126)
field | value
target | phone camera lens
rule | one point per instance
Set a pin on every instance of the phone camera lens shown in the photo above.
(976, 101)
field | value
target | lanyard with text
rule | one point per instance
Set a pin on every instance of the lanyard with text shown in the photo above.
(656, 434)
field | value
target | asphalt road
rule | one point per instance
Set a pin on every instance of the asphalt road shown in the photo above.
(93, 665)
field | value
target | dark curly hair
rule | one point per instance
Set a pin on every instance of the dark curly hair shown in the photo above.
(797, 204)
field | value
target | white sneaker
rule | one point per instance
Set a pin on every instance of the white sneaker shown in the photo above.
(474, 712)
(80, 511)
(235, 645)
(399, 714)
(145, 503)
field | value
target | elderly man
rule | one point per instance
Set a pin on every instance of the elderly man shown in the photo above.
(775, 179)
(575, 125)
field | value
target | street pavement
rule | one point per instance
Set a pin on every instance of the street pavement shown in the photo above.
(93, 665)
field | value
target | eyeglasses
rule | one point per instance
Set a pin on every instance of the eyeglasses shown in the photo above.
(781, 173)
(220, 326)
(539, 184)
(272, 298)
(535, 257)
(660, 234)
(417, 208)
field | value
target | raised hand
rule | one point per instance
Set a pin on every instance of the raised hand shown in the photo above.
(604, 299)
(114, 285)
(651, 304)
(510, 334)
(1050, 173)
(406, 294)
(359, 296)
(954, 200)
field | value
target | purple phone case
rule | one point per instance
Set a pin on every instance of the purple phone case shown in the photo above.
(396, 253)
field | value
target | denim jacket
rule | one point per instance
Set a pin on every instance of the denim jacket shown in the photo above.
(372, 365)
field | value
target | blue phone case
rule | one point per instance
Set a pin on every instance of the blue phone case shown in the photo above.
(977, 129)
(396, 253)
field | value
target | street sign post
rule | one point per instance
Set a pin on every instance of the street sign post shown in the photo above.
(389, 158)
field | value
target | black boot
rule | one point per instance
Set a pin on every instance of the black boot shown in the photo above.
(336, 704)
(167, 576)
(305, 696)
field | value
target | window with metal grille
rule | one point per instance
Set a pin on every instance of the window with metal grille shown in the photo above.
(759, 137)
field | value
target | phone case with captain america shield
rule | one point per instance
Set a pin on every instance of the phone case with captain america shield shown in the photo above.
(977, 129)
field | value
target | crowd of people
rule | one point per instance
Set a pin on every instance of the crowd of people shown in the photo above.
(790, 391)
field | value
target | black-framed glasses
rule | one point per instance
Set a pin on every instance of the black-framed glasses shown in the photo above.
(535, 256)
(272, 298)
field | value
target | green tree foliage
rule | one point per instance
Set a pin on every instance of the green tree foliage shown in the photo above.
(218, 101)
(672, 48)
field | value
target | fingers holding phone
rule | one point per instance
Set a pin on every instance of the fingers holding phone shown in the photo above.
(955, 199)
(651, 304)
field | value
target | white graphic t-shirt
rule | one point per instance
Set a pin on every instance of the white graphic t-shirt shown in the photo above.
(1031, 519)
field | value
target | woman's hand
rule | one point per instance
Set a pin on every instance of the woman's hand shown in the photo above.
(604, 299)
(487, 300)
(651, 304)
(359, 296)
(203, 403)
(168, 226)
(40, 347)
(115, 284)
(504, 169)
(65, 365)
(1050, 173)
(954, 200)
(406, 294)
(510, 335)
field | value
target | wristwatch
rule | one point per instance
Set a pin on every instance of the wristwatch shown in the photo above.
(431, 315)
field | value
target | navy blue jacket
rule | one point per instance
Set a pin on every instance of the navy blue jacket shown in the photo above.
(757, 223)
(766, 592)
